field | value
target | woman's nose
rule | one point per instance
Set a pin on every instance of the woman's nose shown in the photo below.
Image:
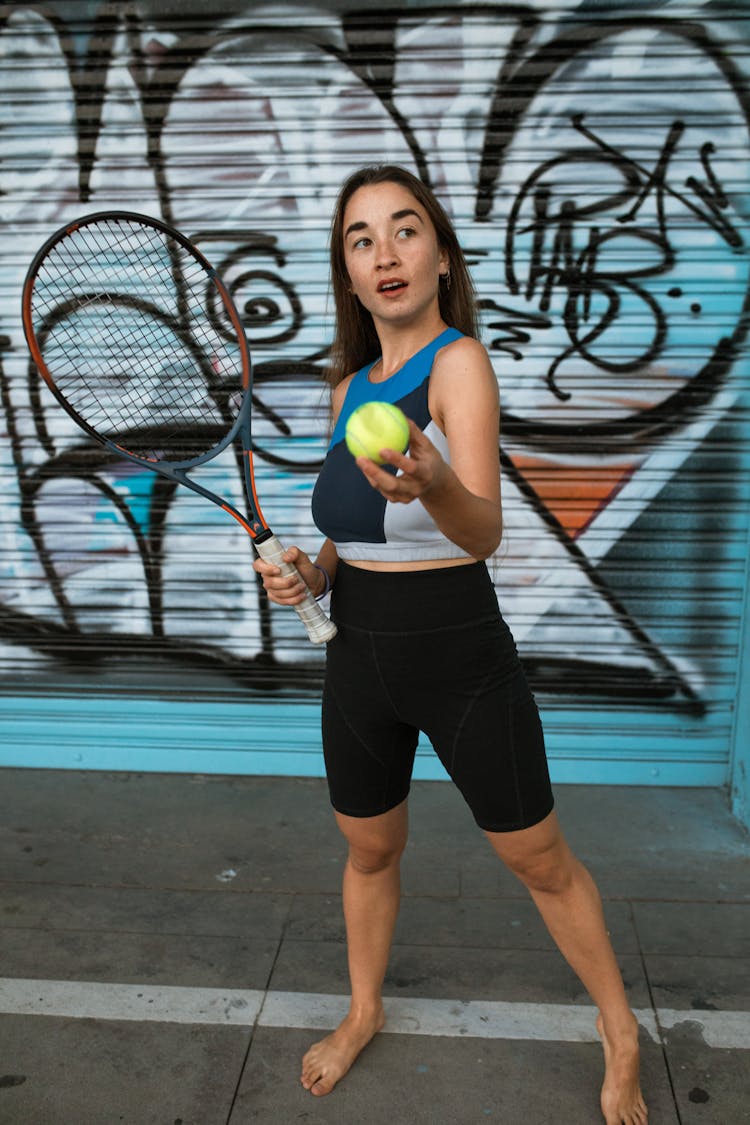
(386, 256)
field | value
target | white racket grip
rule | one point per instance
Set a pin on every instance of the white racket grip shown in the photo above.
(319, 627)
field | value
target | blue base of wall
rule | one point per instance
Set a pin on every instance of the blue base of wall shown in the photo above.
(178, 736)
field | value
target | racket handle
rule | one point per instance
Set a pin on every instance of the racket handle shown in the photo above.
(319, 627)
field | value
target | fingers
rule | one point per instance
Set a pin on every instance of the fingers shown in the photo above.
(417, 438)
(417, 471)
(393, 488)
(419, 448)
(283, 589)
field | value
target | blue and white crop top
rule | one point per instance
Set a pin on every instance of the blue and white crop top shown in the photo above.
(347, 510)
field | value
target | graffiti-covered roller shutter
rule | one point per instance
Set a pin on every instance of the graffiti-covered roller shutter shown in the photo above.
(596, 168)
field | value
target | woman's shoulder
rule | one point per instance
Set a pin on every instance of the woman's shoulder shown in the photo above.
(462, 358)
(463, 346)
(463, 384)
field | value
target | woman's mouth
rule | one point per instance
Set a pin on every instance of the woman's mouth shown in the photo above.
(391, 286)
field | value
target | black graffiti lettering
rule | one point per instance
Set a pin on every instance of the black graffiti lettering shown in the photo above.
(714, 196)
(541, 209)
(569, 213)
(585, 278)
(656, 181)
(582, 278)
(512, 323)
(580, 344)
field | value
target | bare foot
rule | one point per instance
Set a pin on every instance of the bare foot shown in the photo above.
(328, 1061)
(622, 1101)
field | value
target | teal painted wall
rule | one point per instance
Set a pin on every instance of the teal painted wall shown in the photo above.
(595, 160)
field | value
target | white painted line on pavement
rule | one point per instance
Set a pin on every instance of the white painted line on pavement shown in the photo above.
(719, 1029)
(99, 1000)
(480, 1019)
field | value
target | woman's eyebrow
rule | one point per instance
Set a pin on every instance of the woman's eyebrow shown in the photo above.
(406, 211)
(361, 225)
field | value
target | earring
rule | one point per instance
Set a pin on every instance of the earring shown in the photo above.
(446, 277)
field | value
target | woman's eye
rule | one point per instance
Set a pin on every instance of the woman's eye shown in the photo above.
(406, 232)
(361, 242)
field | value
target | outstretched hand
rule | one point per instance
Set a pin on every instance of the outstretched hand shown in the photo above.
(419, 471)
(290, 589)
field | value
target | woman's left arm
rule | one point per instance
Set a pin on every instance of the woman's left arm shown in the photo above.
(463, 498)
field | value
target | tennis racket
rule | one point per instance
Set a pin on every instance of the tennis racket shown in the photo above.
(140, 342)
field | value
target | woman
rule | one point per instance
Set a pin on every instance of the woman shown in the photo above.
(421, 644)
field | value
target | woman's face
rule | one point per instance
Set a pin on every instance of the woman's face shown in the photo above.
(392, 254)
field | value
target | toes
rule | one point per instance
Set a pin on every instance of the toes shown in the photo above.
(321, 1087)
(638, 1117)
(309, 1077)
(314, 1080)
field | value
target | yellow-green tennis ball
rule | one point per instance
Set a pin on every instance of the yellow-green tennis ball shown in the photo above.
(374, 426)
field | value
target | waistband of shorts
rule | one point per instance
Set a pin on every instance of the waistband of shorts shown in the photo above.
(405, 601)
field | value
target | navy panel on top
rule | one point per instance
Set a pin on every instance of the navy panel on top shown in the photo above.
(345, 507)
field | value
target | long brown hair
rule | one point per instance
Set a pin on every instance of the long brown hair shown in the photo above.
(355, 341)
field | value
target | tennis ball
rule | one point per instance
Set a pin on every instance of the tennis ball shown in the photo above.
(374, 426)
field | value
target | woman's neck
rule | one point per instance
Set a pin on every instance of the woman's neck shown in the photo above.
(398, 344)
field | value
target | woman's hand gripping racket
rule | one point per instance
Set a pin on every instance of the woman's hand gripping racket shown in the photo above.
(139, 340)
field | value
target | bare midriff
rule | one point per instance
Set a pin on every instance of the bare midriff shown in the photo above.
(403, 564)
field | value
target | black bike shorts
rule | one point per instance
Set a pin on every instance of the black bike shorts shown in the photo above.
(429, 651)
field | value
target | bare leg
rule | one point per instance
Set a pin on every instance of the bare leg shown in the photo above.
(372, 891)
(571, 907)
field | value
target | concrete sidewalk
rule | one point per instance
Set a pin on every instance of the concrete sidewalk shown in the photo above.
(213, 904)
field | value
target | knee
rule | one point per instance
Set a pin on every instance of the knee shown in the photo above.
(375, 843)
(546, 874)
(372, 859)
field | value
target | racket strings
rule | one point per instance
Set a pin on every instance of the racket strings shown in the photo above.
(133, 331)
